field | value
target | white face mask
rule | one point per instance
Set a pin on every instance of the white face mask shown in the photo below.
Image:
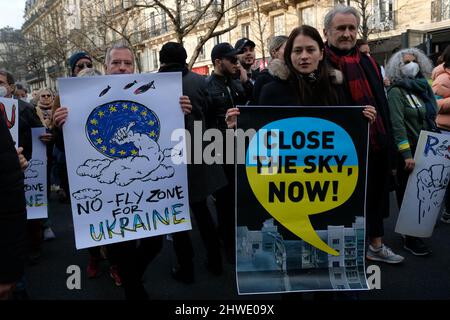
(3, 91)
(410, 70)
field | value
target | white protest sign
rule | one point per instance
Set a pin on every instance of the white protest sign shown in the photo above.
(36, 179)
(426, 186)
(120, 157)
(10, 110)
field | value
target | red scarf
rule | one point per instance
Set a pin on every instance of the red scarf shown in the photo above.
(360, 89)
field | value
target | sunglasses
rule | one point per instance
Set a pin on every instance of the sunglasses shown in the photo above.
(233, 60)
(84, 65)
(46, 96)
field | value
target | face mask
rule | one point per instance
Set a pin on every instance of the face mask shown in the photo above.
(410, 70)
(3, 91)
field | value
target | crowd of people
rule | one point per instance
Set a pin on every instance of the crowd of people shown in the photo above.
(304, 70)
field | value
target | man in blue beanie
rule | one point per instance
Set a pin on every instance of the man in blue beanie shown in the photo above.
(78, 61)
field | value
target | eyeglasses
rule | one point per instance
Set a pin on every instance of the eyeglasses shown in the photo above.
(46, 96)
(84, 65)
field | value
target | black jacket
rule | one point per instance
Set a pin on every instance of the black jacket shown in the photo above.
(380, 163)
(224, 93)
(203, 179)
(263, 78)
(12, 210)
(280, 91)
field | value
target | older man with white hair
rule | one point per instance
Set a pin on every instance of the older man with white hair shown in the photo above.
(365, 84)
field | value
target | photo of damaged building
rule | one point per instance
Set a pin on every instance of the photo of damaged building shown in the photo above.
(268, 263)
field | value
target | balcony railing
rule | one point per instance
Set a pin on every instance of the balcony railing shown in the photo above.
(385, 21)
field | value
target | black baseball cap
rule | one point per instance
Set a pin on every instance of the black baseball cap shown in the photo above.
(223, 50)
(244, 42)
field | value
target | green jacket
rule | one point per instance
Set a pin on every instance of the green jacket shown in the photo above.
(408, 118)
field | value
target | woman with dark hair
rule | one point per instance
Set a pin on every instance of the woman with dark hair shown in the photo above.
(307, 80)
(304, 79)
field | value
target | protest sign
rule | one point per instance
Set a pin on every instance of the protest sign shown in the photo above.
(301, 199)
(36, 179)
(426, 186)
(123, 179)
(10, 110)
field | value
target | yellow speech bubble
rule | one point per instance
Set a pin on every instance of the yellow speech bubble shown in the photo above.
(298, 167)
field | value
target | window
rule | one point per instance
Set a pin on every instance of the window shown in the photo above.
(383, 15)
(201, 54)
(307, 16)
(335, 264)
(245, 30)
(164, 22)
(217, 40)
(338, 276)
(145, 60)
(155, 59)
(344, 2)
(440, 10)
(278, 26)
(152, 23)
(336, 241)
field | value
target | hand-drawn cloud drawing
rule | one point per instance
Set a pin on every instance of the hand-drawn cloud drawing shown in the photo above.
(86, 194)
(30, 173)
(139, 155)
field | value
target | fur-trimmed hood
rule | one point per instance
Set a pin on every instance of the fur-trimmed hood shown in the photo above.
(279, 69)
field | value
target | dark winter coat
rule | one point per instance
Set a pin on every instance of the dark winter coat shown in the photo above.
(380, 164)
(224, 93)
(12, 210)
(282, 92)
(203, 179)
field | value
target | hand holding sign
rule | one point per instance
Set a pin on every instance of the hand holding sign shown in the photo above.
(296, 170)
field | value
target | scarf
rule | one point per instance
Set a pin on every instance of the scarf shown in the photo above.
(350, 65)
(422, 89)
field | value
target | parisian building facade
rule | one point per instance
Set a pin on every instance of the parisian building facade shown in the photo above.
(67, 26)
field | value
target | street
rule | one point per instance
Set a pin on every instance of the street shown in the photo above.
(421, 278)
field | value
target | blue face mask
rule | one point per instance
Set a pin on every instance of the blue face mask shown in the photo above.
(410, 70)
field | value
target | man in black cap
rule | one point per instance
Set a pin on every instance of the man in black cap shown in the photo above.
(247, 59)
(225, 93)
(203, 179)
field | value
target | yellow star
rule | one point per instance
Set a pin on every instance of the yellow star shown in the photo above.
(94, 122)
(144, 113)
(134, 108)
(151, 122)
(122, 153)
(104, 148)
(112, 109)
(125, 106)
(94, 132)
(152, 134)
(134, 152)
(99, 141)
(101, 114)
(112, 151)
